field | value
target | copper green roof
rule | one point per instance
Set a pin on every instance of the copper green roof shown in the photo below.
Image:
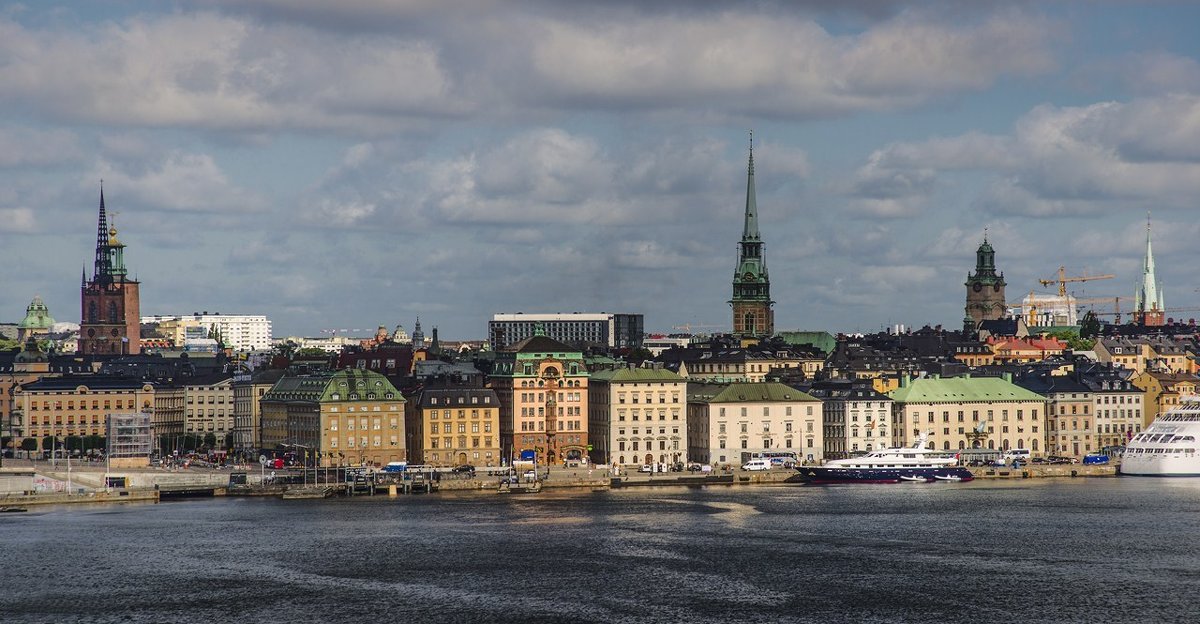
(637, 374)
(819, 339)
(343, 385)
(37, 315)
(762, 392)
(962, 390)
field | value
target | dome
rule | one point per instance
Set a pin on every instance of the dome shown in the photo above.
(32, 353)
(37, 316)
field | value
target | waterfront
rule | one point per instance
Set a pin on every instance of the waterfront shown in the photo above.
(1118, 550)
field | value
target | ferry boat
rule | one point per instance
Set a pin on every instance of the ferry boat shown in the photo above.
(893, 465)
(1167, 448)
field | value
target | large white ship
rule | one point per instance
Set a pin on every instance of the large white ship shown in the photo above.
(1167, 448)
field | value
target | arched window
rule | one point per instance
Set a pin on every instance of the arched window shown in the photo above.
(1020, 442)
(961, 445)
(748, 322)
(946, 445)
(112, 311)
(991, 444)
(92, 312)
(1034, 444)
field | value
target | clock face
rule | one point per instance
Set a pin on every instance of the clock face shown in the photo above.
(996, 287)
(749, 277)
(978, 287)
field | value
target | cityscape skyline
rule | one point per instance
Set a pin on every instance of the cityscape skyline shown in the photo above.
(590, 167)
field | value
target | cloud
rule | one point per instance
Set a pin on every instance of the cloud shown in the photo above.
(32, 147)
(1058, 161)
(180, 182)
(17, 220)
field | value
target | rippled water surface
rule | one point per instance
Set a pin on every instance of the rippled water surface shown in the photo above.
(1101, 550)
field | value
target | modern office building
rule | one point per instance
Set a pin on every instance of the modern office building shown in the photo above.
(578, 329)
(240, 332)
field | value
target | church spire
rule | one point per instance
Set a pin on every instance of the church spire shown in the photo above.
(1148, 297)
(750, 229)
(101, 268)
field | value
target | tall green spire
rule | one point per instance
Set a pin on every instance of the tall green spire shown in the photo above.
(750, 230)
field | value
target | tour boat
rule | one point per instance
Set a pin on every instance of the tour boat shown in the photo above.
(914, 479)
(891, 465)
(1167, 448)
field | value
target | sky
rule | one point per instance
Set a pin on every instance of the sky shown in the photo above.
(362, 163)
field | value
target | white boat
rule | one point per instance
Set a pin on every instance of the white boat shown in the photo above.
(947, 477)
(1168, 447)
(891, 465)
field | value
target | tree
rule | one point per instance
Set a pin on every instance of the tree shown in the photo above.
(210, 440)
(49, 443)
(1073, 340)
(29, 445)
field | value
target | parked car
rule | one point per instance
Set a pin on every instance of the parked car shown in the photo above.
(1095, 458)
(1054, 459)
(530, 475)
(757, 464)
(693, 467)
(646, 468)
(464, 469)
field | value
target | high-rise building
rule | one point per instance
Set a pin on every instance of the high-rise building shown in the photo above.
(1148, 300)
(985, 289)
(109, 302)
(240, 332)
(575, 328)
(752, 313)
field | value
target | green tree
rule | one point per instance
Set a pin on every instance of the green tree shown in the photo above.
(210, 440)
(29, 445)
(1089, 327)
(1073, 340)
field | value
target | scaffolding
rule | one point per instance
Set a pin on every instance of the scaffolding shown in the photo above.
(130, 440)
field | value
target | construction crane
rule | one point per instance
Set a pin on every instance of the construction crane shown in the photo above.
(1062, 280)
(1116, 302)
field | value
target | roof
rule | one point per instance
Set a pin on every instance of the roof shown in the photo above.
(542, 344)
(626, 375)
(92, 382)
(962, 390)
(343, 385)
(768, 391)
(820, 339)
(459, 397)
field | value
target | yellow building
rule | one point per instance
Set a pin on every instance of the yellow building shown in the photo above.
(350, 417)
(79, 405)
(968, 412)
(1163, 391)
(455, 427)
(209, 407)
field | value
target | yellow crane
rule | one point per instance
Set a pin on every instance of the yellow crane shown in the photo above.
(1062, 280)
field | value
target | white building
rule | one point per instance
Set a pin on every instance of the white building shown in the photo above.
(856, 418)
(239, 331)
(573, 328)
(637, 416)
(728, 424)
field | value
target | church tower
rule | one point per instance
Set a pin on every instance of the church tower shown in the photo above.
(752, 313)
(985, 289)
(109, 302)
(1148, 300)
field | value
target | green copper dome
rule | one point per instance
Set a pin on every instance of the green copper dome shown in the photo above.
(37, 316)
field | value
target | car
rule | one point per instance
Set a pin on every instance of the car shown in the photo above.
(530, 475)
(464, 469)
(1054, 459)
(757, 464)
(693, 467)
(1038, 460)
(646, 468)
(1095, 458)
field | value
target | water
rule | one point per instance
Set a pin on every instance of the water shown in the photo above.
(1110, 550)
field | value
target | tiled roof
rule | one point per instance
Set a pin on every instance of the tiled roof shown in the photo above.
(962, 389)
(769, 391)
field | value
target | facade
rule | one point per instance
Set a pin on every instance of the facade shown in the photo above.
(37, 321)
(130, 440)
(248, 390)
(619, 331)
(968, 412)
(455, 427)
(752, 306)
(1148, 307)
(349, 417)
(210, 407)
(79, 405)
(29, 365)
(728, 424)
(543, 389)
(1163, 391)
(109, 302)
(637, 416)
(168, 416)
(985, 289)
(855, 418)
(241, 332)
(734, 365)
(1088, 409)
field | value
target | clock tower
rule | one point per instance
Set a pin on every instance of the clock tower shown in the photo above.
(752, 313)
(985, 289)
(110, 323)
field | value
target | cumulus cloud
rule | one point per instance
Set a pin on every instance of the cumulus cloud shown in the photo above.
(17, 220)
(180, 182)
(1073, 160)
(23, 147)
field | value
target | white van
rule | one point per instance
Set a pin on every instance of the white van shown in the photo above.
(1017, 453)
(757, 464)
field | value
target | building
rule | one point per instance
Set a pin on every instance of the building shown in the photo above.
(37, 322)
(1090, 407)
(734, 365)
(543, 389)
(109, 302)
(968, 412)
(637, 416)
(1163, 391)
(855, 418)
(240, 332)
(78, 405)
(1148, 307)
(454, 426)
(210, 408)
(578, 329)
(130, 440)
(350, 417)
(248, 390)
(167, 419)
(752, 306)
(985, 289)
(728, 424)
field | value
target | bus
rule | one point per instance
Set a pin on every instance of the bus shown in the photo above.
(787, 459)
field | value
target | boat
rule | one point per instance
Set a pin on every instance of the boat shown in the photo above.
(1167, 448)
(914, 479)
(12, 509)
(891, 465)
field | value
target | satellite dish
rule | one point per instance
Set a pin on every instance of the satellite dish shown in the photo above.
(262, 459)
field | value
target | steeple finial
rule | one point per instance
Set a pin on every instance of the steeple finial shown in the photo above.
(985, 229)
